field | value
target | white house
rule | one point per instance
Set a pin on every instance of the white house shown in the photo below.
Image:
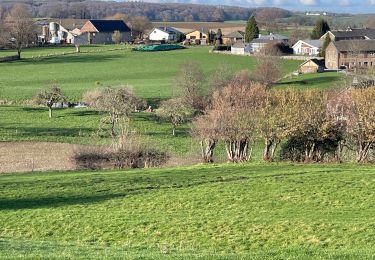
(240, 48)
(259, 43)
(164, 34)
(307, 47)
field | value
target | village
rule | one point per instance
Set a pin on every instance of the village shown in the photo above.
(139, 130)
(344, 50)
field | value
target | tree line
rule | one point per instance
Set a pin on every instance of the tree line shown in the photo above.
(88, 9)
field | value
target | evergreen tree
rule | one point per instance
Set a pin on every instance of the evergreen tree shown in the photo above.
(326, 42)
(252, 30)
(321, 27)
(219, 37)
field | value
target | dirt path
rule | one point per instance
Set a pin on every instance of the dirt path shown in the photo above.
(33, 156)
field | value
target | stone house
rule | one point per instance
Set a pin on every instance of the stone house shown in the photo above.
(101, 31)
(350, 54)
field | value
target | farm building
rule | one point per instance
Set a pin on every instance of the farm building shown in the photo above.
(198, 36)
(240, 48)
(76, 37)
(350, 54)
(101, 31)
(307, 47)
(259, 43)
(234, 37)
(168, 34)
(312, 66)
(350, 34)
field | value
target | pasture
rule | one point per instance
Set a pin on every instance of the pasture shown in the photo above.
(149, 74)
(241, 211)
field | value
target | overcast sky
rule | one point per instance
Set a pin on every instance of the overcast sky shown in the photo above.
(339, 6)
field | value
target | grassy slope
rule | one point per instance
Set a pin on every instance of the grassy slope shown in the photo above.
(294, 211)
(150, 74)
(79, 125)
(321, 81)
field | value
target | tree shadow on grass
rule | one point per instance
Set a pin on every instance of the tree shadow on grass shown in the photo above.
(60, 201)
(48, 131)
(311, 81)
(74, 58)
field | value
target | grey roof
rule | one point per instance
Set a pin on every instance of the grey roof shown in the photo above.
(314, 43)
(169, 30)
(355, 45)
(236, 34)
(270, 37)
(355, 33)
(110, 25)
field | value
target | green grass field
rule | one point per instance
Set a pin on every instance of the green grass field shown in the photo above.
(325, 80)
(150, 74)
(260, 211)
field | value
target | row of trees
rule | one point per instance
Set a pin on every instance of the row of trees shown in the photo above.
(312, 125)
(240, 109)
(88, 9)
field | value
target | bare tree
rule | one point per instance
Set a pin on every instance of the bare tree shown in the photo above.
(175, 111)
(119, 103)
(220, 78)
(190, 85)
(267, 71)
(205, 128)
(50, 96)
(117, 37)
(231, 118)
(268, 17)
(138, 24)
(361, 121)
(276, 119)
(20, 29)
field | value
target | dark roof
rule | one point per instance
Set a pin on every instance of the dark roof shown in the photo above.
(319, 62)
(355, 45)
(169, 30)
(355, 33)
(269, 38)
(110, 25)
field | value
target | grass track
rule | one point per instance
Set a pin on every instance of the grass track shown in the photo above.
(256, 210)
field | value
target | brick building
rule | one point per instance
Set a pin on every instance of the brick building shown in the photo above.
(350, 54)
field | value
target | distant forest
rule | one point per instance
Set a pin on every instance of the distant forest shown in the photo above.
(89, 9)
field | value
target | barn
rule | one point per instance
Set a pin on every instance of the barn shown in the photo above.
(101, 31)
(312, 66)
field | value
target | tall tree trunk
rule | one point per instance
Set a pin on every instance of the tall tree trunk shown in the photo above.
(363, 151)
(208, 146)
(237, 150)
(50, 112)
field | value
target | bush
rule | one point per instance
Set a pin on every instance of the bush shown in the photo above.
(93, 158)
(101, 158)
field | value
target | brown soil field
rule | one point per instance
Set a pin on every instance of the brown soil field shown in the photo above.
(32, 156)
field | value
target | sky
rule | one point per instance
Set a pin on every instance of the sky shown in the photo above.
(337, 6)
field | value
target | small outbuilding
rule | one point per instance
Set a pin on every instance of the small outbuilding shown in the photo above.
(312, 66)
(240, 48)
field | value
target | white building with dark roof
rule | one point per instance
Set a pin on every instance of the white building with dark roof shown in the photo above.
(168, 34)
(307, 47)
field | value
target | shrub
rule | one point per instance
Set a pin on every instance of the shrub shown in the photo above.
(101, 158)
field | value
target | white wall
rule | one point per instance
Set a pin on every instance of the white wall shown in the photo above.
(159, 35)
